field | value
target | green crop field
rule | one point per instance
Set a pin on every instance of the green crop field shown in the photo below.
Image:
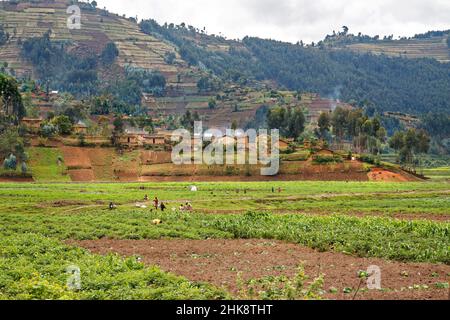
(38, 221)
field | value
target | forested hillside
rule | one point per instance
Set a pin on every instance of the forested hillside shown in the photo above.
(391, 84)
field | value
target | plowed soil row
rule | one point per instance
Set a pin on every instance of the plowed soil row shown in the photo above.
(219, 261)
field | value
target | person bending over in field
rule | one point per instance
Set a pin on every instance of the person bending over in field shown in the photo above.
(112, 206)
(188, 207)
(146, 198)
(163, 207)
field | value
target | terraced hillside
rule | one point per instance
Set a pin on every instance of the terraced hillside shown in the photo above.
(435, 47)
(243, 73)
(98, 27)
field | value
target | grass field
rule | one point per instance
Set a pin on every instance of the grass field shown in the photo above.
(44, 164)
(402, 222)
(441, 173)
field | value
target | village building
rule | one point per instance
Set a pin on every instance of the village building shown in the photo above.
(226, 140)
(33, 125)
(154, 140)
(133, 137)
(80, 128)
(136, 137)
(283, 144)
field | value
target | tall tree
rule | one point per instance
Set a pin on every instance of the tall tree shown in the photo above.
(4, 36)
(10, 98)
(110, 53)
(324, 124)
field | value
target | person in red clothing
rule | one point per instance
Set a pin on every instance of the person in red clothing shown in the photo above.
(156, 203)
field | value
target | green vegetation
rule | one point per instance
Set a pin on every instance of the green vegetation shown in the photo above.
(4, 36)
(59, 69)
(282, 288)
(109, 54)
(376, 237)
(37, 220)
(151, 82)
(439, 173)
(46, 165)
(367, 237)
(438, 127)
(409, 144)
(10, 99)
(318, 159)
(290, 122)
(37, 267)
(317, 69)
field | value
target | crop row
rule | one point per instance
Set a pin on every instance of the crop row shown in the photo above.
(419, 241)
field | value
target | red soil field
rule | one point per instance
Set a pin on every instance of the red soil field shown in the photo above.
(378, 174)
(219, 261)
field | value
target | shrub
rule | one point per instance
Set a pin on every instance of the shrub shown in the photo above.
(10, 163)
(24, 168)
(369, 159)
(48, 130)
(281, 288)
(327, 159)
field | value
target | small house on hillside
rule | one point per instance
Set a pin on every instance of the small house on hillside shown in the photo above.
(283, 144)
(154, 140)
(33, 125)
(80, 128)
(135, 137)
(226, 141)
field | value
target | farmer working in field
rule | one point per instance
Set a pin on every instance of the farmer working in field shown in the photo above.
(156, 203)
(188, 207)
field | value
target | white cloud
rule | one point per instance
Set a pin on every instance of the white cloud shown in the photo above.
(293, 20)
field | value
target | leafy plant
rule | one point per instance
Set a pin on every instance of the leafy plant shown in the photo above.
(281, 287)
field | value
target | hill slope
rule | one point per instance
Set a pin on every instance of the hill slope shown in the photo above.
(28, 20)
(434, 47)
(391, 84)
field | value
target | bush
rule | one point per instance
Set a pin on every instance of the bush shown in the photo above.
(110, 53)
(63, 125)
(295, 157)
(48, 130)
(282, 287)
(327, 159)
(10, 163)
(369, 159)
(24, 168)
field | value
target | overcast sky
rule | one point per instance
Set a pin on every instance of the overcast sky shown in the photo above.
(293, 20)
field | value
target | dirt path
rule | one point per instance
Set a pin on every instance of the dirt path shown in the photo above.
(219, 261)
